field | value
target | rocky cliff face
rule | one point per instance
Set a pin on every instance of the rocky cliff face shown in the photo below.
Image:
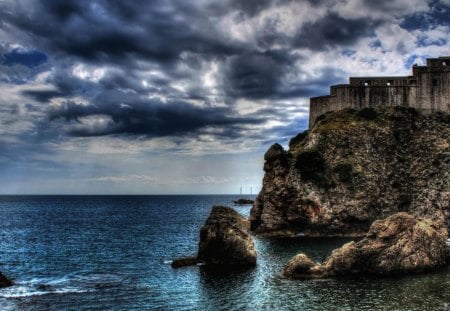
(354, 167)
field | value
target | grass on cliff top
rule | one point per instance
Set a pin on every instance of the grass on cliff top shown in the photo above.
(343, 121)
(335, 121)
(346, 119)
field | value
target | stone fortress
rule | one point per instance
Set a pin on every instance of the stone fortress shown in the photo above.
(427, 90)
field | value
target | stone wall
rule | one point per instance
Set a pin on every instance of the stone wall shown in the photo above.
(427, 90)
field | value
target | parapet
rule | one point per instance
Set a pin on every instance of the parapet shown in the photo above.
(427, 90)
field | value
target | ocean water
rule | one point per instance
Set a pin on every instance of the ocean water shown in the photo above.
(114, 252)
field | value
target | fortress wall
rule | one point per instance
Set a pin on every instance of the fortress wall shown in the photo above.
(381, 81)
(358, 97)
(434, 92)
(427, 90)
(318, 106)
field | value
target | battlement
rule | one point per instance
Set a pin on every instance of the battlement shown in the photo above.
(427, 90)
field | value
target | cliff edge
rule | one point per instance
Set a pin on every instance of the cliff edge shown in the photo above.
(352, 168)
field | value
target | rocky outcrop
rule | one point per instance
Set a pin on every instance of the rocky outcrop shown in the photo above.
(352, 168)
(397, 245)
(225, 240)
(4, 281)
(301, 266)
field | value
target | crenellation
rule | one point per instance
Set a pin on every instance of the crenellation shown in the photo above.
(427, 90)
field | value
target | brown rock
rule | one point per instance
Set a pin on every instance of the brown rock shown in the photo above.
(397, 245)
(225, 240)
(301, 266)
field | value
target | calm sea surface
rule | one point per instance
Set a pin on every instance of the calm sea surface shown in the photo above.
(113, 253)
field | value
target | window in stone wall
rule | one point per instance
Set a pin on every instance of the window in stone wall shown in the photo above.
(390, 82)
(444, 64)
(367, 83)
(435, 82)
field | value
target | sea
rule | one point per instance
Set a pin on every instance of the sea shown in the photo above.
(114, 253)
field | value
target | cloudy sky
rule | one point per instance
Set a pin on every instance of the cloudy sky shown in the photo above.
(148, 97)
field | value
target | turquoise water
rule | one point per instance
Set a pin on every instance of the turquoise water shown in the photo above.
(113, 253)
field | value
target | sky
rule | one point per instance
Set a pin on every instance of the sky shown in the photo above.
(183, 97)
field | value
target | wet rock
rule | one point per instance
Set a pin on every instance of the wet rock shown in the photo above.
(184, 262)
(301, 266)
(225, 240)
(4, 281)
(399, 244)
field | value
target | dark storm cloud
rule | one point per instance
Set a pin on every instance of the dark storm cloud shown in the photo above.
(255, 75)
(162, 49)
(42, 96)
(252, 7)
(264, 75)
(150, 118)
(333, 30)
(113, 31)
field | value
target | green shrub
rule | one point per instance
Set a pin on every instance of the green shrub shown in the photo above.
(368, 113)
(443, 117)
(344, 172)
(299, 138)
(321, 117)
(311, 165)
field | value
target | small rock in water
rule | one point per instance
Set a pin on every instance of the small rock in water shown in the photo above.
(184, 262)
(4, 281)
(225, 240)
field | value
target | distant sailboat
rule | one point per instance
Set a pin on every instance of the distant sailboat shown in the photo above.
(244, 201)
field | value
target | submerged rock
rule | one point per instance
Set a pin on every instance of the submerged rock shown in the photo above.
(184, 262)
(349, 170)
(397, 245)
(301, 266)
(225, 240)
(4, 281)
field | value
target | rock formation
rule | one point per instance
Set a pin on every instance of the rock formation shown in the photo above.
(399, 244)
(352, 168)
(225, 240)
(4, 281)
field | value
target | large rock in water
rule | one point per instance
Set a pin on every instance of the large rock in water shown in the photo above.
(399, 244)
(352, 168)
(225, 240)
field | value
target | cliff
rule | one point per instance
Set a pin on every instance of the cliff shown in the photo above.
(352, 168)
